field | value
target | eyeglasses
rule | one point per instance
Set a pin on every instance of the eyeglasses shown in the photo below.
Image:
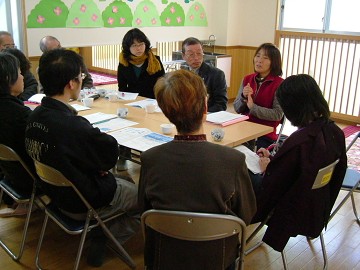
(82, 76)
(6, 46)
(193, 55)
(133, 46)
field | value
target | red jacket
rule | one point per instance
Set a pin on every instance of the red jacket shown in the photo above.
(264, 97)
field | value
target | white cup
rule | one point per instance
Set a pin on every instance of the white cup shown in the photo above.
(167, 128)
(217, 134)
(122, 112)
(112, 97)
(150, 108)
(88, 102)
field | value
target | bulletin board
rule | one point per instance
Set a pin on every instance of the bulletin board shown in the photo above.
(78, 23)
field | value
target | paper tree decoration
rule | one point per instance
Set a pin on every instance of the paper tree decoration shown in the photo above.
(196, 16)
(48, 14)
(84, 13)
(117, 14)
(173, 15)
(146, 14)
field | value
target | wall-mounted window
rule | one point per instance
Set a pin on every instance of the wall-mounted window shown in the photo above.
(326, 16)
(11, 20)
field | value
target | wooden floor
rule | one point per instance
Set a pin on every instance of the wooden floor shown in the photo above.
(342, 239)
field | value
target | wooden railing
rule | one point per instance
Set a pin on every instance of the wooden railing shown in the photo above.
(332, 60)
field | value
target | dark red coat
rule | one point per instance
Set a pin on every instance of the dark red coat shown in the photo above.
(288, 180)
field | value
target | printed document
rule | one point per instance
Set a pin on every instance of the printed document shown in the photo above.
(114, 124)
(251, 159)
(140, 139)
(95, 118)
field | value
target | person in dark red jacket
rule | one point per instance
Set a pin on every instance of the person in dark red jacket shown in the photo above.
(256, 96)
(286, 185)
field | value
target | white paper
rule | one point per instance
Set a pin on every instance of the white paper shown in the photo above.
(222, 117)
(36, 98)
(251, 159)
(114, 124)
(79, 108)
(99, 117)
(143, 103)
(127, 95)
(140, 139)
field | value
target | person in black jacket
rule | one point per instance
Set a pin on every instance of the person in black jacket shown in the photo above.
(56, 136)
(13, 117)
(48, 43)
(30, 83)
(214, 78)
(139, 68)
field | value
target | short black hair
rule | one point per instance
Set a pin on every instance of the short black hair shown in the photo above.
(275, 57)
(190, 41)
(9, 72)
(128, 40)
(24, 62)
(58, 67)
(302, 100)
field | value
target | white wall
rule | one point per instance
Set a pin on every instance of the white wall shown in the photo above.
(233, 22)
(99, 36)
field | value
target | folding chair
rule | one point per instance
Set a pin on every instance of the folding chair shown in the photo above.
(72, 226)
(280, 139)
(323, 177)
(351, 183)
(193, 226)
(9, 155)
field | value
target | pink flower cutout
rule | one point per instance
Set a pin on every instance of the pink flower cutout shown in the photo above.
(138, 21)
(110, 20)
(172, 10)
(94, 17)
(83, 8)
(168, 20)
(115, 9)
(76, 21)
(40, 19)
(197, 7)
(146, 8)
(57, 11)
(202, 15)
(178, 19)
(153, 21)
(122, 20)
(191, 17)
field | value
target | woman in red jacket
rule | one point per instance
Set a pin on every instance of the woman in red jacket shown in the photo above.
(256, 97)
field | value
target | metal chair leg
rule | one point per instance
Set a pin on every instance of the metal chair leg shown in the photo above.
(354, 209)
(37, 259)
(24, 233)
(284, 259)
(323, 248)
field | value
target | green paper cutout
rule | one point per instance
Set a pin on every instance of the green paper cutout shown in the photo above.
(117, 14)
(48, 14)
(173, 15)
(84, 13)
(196, 16)
(146, 14)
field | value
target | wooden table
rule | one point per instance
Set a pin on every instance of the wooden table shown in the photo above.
(235, 134)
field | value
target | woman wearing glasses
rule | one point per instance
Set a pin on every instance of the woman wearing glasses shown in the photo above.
(138, 68)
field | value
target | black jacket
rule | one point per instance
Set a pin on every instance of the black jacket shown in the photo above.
(70, 144)
(144, 84)
(30, 86)
(215, 82)
(13, 117)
